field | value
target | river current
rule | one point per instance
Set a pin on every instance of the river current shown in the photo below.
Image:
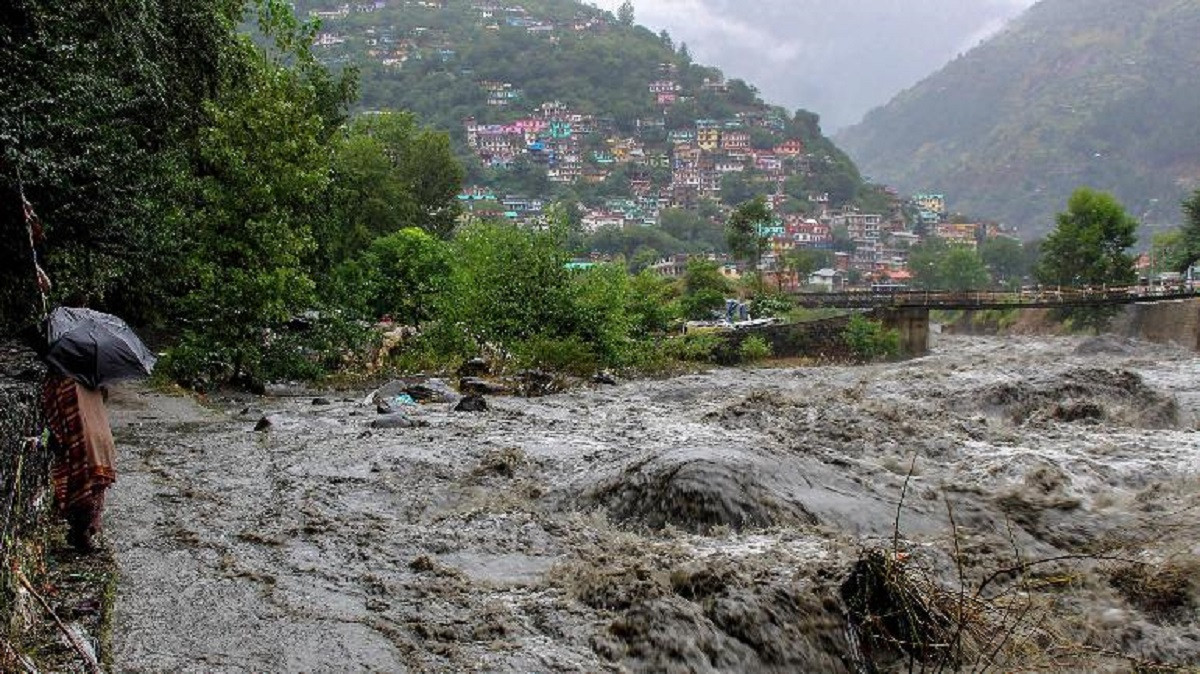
(705, 523)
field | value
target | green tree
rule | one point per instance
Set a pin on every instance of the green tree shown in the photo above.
(704, 289)
(804, 261)
(651, 304)
(744, 230)
(262, 177)
(925, 263)
(1006, 259)
(700, 233)
(1191, 232)
(938, 265)
(842, 241)
(625, 13)
(869, 340)
(1168, 251)
(98, 103)
(962, 269)
(408, 270)
(1089, 246)
(507, 285)
(389, 175)
(737, 188)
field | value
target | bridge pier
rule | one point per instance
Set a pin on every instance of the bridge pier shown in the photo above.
(913, 325)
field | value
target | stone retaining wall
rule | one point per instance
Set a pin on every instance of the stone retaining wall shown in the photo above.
(25, 495)
(820, 340)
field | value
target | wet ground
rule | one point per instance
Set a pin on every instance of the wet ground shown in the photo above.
(707, 523)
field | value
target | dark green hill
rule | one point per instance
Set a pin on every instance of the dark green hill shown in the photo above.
(1104, 93)
(444, 60)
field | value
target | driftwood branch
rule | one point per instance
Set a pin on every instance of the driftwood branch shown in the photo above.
(89, 660)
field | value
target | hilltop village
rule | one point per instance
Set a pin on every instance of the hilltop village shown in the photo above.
(662, 161)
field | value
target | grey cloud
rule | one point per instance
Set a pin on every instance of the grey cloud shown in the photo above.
(839, 58)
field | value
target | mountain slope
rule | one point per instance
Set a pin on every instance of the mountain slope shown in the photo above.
(1104, 93)
(496, 63)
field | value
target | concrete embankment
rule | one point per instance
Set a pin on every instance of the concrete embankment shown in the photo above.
(1176, 322)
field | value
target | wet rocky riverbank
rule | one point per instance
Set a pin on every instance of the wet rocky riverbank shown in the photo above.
(1016, 496)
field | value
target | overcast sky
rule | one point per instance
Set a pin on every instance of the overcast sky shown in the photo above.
(838, 58)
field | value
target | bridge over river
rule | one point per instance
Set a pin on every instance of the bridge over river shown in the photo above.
(1026, 298)
(1160, 314)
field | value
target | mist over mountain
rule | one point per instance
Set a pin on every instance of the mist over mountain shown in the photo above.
(1103, 93)
(834, 57)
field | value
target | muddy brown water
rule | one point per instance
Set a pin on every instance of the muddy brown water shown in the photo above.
(697, 524)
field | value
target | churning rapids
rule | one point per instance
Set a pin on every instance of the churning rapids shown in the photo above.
(707, 523)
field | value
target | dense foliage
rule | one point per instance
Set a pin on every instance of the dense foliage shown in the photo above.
(100, 106)
(1089, 248)
(1090, 245)
(1075, 92)
(869, 340)
(937, 265)
(1190, 234)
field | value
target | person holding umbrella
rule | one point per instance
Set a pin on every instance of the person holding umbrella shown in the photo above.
(85, 351)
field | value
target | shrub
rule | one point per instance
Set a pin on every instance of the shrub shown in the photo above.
(699, 306)
(754, 348)
(696, 347)
(506, 285)
(771, 306)
(651, 304)
(869, 340)
(571, 355)
(406, 271)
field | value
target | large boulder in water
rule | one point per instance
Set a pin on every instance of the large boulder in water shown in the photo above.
(706, 487)
(697, 491)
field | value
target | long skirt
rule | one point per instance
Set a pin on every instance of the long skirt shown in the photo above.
(84, 454)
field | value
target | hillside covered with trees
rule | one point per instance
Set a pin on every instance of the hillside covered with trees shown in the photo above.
(1102, 93)
(617, 101)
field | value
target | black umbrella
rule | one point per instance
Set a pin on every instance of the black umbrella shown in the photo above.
(95, 348)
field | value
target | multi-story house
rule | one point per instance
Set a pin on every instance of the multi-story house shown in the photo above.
(809, 233)
(767, 161)
(500, 94)
(523, 205)
(666, 92)
(681, 136)
(736, 143)
(726, 165)
(598, 218)
(792, 147)
(708, 135)
(964, 234)
(862, 227)
(931, 207)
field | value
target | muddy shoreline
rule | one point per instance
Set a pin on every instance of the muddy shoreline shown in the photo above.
(705, 523)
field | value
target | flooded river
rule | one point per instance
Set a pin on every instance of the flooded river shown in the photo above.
(706, 523)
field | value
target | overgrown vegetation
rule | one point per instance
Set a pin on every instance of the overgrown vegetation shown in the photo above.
(869, 340)
(1089, 249)
(226, 201)
(753, 349)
